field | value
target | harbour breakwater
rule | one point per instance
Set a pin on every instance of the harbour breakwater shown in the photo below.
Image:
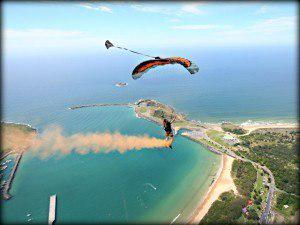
(8, 184)
(100, 105)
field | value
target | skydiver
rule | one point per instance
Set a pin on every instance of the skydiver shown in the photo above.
(168, 129)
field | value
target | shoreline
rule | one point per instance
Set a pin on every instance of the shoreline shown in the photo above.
(154, 111)
(246, 124)
(18, 150)
(222, 183)
(5, 193)
(255, 126)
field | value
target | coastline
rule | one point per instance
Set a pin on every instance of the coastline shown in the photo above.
(223, 183)
(21, 146)
(154, 111)
(250, 127)
(5, 193)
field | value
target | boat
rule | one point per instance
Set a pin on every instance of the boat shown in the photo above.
(3, 167)
(29, 214)
(121, 84)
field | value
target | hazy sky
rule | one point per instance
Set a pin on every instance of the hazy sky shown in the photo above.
(73, 26)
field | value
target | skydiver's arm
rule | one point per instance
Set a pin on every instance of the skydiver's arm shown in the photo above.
(173, 119)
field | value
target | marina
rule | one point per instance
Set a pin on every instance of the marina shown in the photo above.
(8, 183)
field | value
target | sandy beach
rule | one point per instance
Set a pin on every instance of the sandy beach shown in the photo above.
(252, 127)
(223, 184)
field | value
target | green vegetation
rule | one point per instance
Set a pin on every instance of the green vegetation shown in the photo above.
(21, 127)
(206, 142)
(217, 137)
(159, 113)
(259, 195)
(183, 123)
(143, 109)
(227, 209)
(229, 127)
(287, 203)
(244, 176)
(278, 151)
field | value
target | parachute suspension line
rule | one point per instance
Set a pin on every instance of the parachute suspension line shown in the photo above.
(108, 44)
(135, 52)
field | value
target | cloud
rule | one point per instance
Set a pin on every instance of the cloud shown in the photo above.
(27, 40)
(277, 24)
(195, 27)
(174, 20)
(191, 8)
(263, 9)
(97, 8)
(272, 31)
(151, 9)
(40, 33)
(281, 30)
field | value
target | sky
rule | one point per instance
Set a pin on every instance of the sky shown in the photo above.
(29, 27)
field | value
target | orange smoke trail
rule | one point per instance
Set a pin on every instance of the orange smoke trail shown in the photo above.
(53, 141)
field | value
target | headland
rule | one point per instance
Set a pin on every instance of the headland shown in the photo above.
(230, 141)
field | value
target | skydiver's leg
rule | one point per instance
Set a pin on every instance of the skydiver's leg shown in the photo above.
(167, 135)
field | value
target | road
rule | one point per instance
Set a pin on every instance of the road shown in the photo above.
(265, 214)
(197, 133)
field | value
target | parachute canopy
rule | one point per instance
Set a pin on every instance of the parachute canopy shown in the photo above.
(145, 66)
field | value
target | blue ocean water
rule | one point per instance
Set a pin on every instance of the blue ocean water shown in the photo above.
(235, 84)
(232, 84)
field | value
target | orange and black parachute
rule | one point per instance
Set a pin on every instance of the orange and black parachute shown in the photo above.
(143, 67)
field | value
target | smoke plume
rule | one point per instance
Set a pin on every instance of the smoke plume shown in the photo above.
(53, 141)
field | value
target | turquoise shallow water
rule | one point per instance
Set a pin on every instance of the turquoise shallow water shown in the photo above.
(112, 187)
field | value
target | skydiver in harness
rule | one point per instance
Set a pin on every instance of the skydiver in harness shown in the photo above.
(168, 129)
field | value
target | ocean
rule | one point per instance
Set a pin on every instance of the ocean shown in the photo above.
(257, 84)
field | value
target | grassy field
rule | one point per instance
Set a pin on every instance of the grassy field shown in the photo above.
(217, 137)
